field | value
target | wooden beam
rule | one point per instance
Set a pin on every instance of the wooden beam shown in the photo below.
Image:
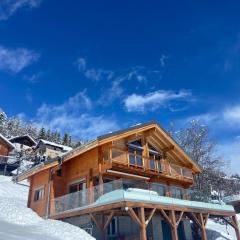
(193, 217)
(174, 225)
(205, 219)
(150, 216)
(96, 222)
(179, 218)
(134, 216)
(143, 232)
(165, 216)
(234, 219)
(108, 220)
(203, 229)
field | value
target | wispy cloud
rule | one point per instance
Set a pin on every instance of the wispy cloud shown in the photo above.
(163, 59)
(75, 116)
(15, 60)
(99, 74)
(154, 100)
(9, 7)
(81, 64)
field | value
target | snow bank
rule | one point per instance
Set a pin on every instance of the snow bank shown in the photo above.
(17, 222)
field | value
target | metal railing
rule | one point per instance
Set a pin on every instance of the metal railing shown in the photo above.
(124, 157)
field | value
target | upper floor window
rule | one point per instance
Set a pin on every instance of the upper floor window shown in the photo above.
(135, 149)
(39, 194)
(154, 158)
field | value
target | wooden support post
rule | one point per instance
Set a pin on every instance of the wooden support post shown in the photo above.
(143, 232)
(173, 225)
(203, 229)
(234, 219)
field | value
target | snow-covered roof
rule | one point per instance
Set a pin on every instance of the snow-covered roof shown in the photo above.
(7, 141)
(23, 136)
(64, 147)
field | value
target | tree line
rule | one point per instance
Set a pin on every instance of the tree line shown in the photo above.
(15, 126)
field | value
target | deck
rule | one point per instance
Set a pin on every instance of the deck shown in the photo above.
(140, 205)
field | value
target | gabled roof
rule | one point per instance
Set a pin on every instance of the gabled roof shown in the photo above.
(118, 135)
(63, 147)
(7, 142)
(28, 137)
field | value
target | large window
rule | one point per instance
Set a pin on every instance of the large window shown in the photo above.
(135, 149)
(39, 194)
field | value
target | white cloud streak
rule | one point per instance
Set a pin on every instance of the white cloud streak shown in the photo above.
(15, 60)
(154, 100)
(9, 7)
(75, 117)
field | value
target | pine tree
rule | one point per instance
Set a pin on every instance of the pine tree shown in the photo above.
(42, 133)
(48, 135)
(65, 139)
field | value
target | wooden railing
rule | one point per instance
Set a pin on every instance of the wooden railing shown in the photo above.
(120, 156)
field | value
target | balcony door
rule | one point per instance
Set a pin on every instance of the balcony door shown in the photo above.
(77, 191)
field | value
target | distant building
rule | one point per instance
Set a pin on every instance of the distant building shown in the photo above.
(5, 148)
(22, 143)
(49, 149)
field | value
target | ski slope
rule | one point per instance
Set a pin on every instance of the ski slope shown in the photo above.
(17, 222)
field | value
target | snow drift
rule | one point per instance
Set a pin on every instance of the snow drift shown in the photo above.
(17, 222)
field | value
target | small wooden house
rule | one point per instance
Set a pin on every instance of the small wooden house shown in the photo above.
(129, 184)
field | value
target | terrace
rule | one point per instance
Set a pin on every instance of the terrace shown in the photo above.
(140, 200)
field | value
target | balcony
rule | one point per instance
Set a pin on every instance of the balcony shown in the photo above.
(147, 164)
(128, 191)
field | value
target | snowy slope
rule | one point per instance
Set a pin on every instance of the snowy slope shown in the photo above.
(17, 222)
(217, 231)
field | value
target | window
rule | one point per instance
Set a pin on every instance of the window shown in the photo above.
(39, 194)
(112, 227)
(78, 186)
(135, 149)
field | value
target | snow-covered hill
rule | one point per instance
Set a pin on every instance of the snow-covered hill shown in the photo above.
(17, 222)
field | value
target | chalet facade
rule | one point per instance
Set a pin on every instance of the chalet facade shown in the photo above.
(130, 184)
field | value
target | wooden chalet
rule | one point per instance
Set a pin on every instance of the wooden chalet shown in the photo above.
(130, 184)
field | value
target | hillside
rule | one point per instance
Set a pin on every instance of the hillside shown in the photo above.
(17, 222)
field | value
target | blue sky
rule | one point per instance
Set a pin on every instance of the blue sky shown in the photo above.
(90, 67)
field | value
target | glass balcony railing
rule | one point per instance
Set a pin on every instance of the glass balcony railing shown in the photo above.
(129, 190)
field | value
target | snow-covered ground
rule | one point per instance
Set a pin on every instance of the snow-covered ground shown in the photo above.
(217, 231)
(17, 222)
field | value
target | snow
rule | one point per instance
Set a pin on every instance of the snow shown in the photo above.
(64, 147)
(218, 231)
(17, 222)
